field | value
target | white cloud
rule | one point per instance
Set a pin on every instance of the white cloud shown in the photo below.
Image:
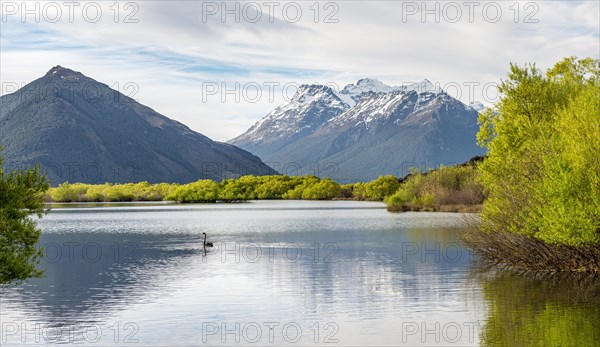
(171, 53)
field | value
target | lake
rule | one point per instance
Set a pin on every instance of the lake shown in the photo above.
(339, 273)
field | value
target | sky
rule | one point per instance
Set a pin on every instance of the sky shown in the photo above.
(219, 67)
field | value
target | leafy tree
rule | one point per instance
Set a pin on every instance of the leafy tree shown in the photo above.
(199, 191)
(359, 191)
(569, 186)
(542, 169)
(382, 187)
(298, 191)
(119, 193)
(238, 189)
(96, 192)
(326, 189)
(158, 192)
(273, 187)
(397, 201)
(346, 191)
(21, 194)
(428, 200)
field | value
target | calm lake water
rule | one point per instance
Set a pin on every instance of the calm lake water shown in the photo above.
(282, 273)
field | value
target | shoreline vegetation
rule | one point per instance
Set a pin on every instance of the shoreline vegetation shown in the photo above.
(542, 170)
(447, 189)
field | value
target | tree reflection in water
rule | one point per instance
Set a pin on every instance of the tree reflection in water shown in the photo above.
(528, 309)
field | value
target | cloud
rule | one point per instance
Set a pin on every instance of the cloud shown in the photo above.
(174, 50)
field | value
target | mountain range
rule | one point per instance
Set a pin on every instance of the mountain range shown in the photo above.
(365, 130)
(80, 130)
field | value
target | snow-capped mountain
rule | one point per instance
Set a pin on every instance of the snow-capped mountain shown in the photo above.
(376, 109)
(310, 107)
(353, 92)
(365, 130)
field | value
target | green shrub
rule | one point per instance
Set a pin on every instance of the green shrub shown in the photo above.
(326, 189)
(199, 191)
(67, 192)
(21, 195)
(428, 200)
(359, 191)
(382, 187)
(542, 171)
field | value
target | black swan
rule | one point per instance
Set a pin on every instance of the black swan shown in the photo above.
(207, 244)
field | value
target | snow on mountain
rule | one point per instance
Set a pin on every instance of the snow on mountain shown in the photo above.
(311, 106)
(477, 106)
(365, 130)
(371, 106)
(379, 108)
(421, 87)
(353, 92)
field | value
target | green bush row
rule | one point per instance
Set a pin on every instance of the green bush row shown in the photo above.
(453, 185)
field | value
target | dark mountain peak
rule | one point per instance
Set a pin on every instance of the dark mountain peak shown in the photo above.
(63, 72)
(56, 69)
(367, 80)
(81, 130)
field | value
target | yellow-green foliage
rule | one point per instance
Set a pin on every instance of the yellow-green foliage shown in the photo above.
(325, 189)
(527, 311)
(142, 191)
(421, 190)
(296, 192)
(455, 185)
(257, 187)
(276, 186)
(381, 187)
(199, 191)
(67, 192)
(359, 191)
(239, 189)
(447, 185)
(243, 188)
(542, 171)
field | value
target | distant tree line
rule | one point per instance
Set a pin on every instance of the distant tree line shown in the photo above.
(418, 191)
